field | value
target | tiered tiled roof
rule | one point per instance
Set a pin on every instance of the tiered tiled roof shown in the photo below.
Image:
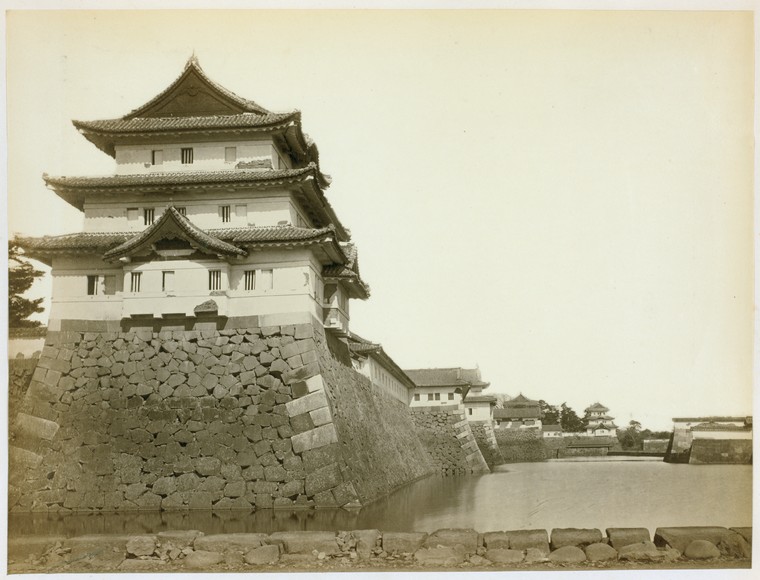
(597, 407)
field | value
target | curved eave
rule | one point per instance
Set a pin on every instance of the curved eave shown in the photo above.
(355, 286)
(106, 139)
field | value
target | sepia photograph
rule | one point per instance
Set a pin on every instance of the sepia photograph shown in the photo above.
(544, 362)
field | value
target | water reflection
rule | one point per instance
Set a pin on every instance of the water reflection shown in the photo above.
(516, 496)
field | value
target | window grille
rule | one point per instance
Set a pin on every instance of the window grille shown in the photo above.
(250, 279)
(149, 215)
(181, 210)
(187, 155)
(135, 283)
(214, 280)
(224, 212)
(157, 157)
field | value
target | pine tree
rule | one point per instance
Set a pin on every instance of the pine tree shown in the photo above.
(570, 421)
(21, 276)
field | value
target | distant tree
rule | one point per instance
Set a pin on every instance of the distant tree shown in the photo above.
(21, 276)
(549, 416)
(632, 437)
(570, 421)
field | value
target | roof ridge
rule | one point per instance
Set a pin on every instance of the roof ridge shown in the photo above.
(192, 65)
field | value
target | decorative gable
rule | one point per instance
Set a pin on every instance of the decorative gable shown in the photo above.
(173, 235)
(193, 94)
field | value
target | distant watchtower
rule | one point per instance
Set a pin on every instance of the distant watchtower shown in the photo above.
(600, 424)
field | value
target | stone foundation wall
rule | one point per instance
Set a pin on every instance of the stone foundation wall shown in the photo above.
(486, 439)
(721, 451)
(520, 445)
(210, 419)
(448, 438)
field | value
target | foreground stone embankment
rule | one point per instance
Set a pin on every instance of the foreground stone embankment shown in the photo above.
(684, 547)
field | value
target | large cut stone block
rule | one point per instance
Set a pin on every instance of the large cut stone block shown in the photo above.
(20, 458)
(575, 537)
(467, 538)
(307, 403)
(306, 542)
(323, 479)
(301, 374)
(34, 426)
(318, 437)
(230, 542)
(679, 538)
(527, 539)
(403, 542)
(620, 537)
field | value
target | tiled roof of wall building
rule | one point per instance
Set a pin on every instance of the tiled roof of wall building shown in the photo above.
(517, 413)
(361, 346)
(521, 399)
(436, 377)
(551, 427)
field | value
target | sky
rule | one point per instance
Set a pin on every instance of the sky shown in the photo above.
(564, 199)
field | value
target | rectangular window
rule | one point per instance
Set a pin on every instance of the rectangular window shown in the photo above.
(230, 154)
(266, 280)
(416, 396)
(149, 215)
(187, 155)
(214, 280)
(157, 157)
(438, 396)
(430, 396)
(469, 411)
(92, 285)
(135, 283)
(451, 396)
(241, 211)
(224, 213)
(133, 214)
(181, 210)
(167, 281)
(250, 279)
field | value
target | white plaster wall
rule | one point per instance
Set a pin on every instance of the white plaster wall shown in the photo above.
(209, 156)
(270, 208)
(294, 287)
(386, 382)
(442, 391)
(480, 411)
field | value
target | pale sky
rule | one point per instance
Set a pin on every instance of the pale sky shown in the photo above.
(563, 198)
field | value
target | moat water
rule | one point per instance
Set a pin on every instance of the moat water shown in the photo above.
(554, 494)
